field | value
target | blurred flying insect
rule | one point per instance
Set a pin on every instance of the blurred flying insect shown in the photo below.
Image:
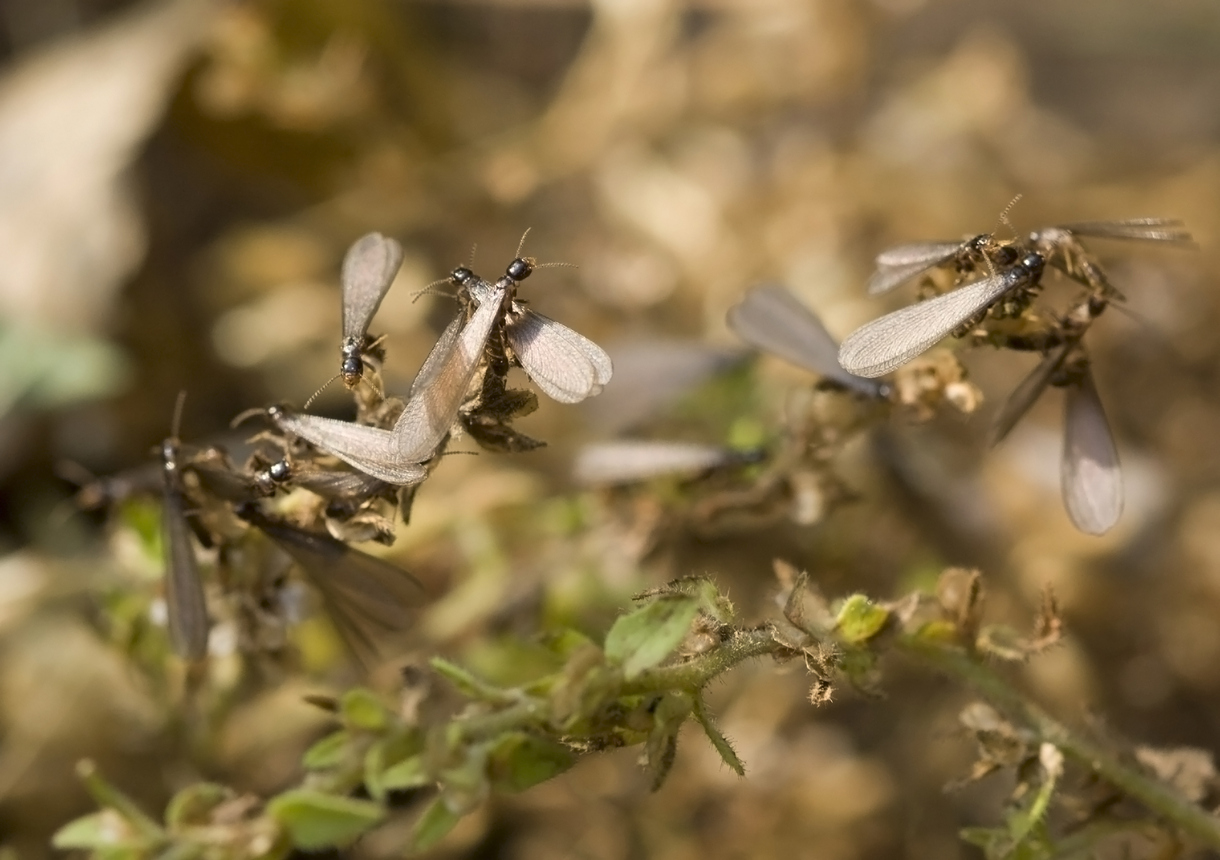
(898, 265)
(368, 599)
(369, 268)
(565, 364)
(186, 605)
(632, 461)
(886, 344)
(397, 456)
(770, 318)
(1090, 474)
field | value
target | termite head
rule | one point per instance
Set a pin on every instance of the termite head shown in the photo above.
(520, 268)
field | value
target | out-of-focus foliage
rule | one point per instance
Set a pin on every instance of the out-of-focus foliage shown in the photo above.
(181, 179)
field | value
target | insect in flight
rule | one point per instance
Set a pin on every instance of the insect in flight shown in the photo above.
(770, 318)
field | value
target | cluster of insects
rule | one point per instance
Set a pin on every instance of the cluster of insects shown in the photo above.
(992, 303)
(355, 477)
(312, 484)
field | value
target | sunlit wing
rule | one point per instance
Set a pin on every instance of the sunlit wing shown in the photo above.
(1092, 480)
(772, 319)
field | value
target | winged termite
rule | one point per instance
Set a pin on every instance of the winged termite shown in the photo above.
(629, 461)
(220, 478)
(1090, 475)
(898, 265)
(891, 341)
(565, 364)
(186, 606)
(770, 318)
(334, 485)
(367, 598)
(396, 456)
(368, 271)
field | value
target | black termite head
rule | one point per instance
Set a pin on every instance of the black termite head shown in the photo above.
(461, 276)
(270, 479)
(520, 268)
(351, 366)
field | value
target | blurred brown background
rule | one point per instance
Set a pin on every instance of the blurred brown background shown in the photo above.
(179, 180)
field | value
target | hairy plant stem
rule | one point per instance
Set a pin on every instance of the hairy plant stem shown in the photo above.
(1156, 796)
(694, 674)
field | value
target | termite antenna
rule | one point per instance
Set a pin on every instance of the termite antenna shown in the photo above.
(475, 247)
(1004, 214)
(555, 265)
(521, 244)
(325, 385)
(431, 290)
(242, 417)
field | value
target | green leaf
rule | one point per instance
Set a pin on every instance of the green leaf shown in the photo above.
(105, 829)
(860, 619)
(409, 773)
(467, 683)
(362, 709)
(520, 760)
(719, 741)
(433, 825)
(194, 804)
(315, 820)
(661, 747)
(328, 752)
(374, 767)
(642, 639)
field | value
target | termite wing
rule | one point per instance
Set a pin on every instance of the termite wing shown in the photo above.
(1061, 247)
(397, 456)
(898, 265)
(368, 271)
(770, 318)
(565, 364)
(186, 606)
(630, 461)
(891, 341)
(1090, 474)
(367, 598)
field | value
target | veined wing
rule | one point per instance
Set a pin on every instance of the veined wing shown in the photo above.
(1146, 229)
(369, 268)
(1090, 475)
(186, 606)
(898, 265)
(369, 449)
(891, 341)
(366, 597)
(772, 319)
(432, 409)
(565, 364)
(1026, 394)
(437, 355)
